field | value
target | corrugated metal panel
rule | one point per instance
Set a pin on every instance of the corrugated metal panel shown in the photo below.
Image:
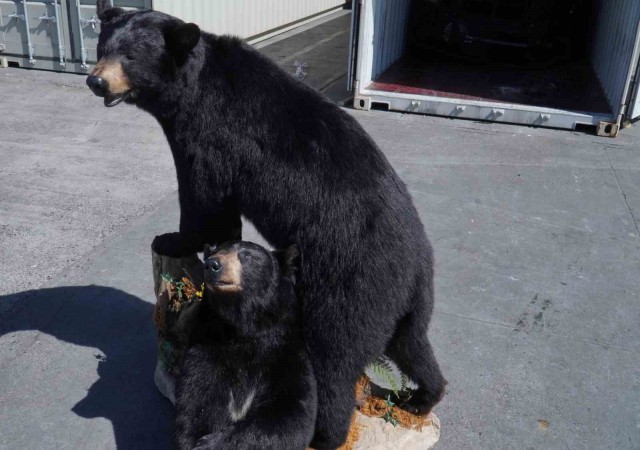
(390, 22)
(614, 39)
(244, 18)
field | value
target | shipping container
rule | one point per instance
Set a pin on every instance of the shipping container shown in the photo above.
(552, 63)
(249, 19)
(62, 34)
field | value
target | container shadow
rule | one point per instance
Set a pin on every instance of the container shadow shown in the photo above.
(120, 326)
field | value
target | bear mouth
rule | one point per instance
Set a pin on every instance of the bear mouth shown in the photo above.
(222, 285)
(111, 100)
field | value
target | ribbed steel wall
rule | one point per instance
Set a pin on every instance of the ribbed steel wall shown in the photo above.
(615, 28)
(244, 18)
(389, 35)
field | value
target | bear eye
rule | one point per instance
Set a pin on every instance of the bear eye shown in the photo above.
(129, 57)
(244, 256)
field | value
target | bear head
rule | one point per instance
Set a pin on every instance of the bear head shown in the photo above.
(139, 53)
(248, 285)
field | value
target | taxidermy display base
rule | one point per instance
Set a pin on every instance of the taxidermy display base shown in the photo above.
(377, 423)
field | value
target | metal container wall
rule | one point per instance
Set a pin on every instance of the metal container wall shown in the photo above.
(245, 18)
(389, 37)
(35, 32)
(614, 40)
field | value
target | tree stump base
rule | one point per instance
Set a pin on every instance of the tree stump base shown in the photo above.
(172, 323)
(377, 424)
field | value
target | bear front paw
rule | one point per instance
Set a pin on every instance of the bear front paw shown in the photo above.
(422, 401)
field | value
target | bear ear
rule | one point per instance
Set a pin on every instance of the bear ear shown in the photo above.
(289, 260)
(180, 39)
(106, 11)
(209, 250)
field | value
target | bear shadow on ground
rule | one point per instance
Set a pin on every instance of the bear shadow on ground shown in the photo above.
(120, 327)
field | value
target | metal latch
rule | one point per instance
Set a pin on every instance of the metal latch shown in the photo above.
(15, 15)
(47, 18)
(93, 21)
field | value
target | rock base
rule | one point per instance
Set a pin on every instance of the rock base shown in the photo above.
(376, 434)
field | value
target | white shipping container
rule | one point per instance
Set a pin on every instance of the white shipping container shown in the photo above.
(248, 19)
(383, 77)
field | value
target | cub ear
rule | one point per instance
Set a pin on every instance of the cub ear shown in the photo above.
(209, 250)
(106, 11)
(289, 260)
(181, 39)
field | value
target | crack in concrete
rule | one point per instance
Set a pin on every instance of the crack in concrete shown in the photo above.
(561, 336)
(624, 196)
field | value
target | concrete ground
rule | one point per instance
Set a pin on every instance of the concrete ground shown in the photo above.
(535, 233)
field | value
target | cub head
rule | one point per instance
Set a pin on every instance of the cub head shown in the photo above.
(251, 288)
(139, 53)
(247, 268)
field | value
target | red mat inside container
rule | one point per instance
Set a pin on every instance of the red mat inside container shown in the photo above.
(570, 86)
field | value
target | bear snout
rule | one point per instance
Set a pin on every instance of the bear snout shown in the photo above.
(213, 264)
(98, 85)
(108, 80)
(212, 271)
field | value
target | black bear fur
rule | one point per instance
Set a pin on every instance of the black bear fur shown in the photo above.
(246, 381)
(247, 138)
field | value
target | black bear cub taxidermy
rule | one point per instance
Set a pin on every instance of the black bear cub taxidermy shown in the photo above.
(246, 381)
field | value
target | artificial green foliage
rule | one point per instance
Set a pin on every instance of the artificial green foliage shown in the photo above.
(382, 368)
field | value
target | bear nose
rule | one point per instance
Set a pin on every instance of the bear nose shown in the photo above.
(97, 85)
(214, 264)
